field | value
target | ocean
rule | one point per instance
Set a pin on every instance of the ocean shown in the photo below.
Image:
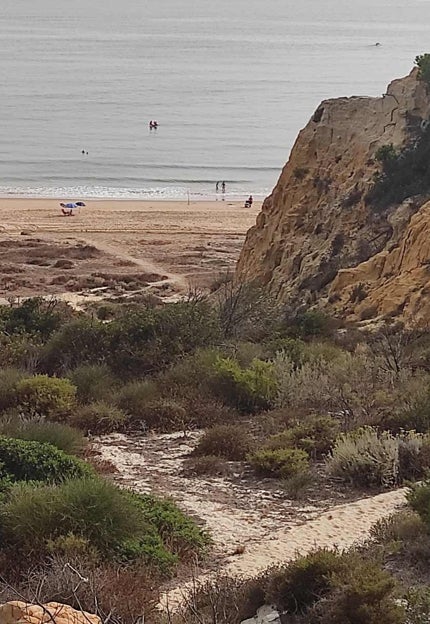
(230, 82)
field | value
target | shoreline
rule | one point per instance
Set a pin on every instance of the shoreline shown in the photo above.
(193, 200)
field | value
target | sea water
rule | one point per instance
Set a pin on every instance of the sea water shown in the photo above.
(231, 82)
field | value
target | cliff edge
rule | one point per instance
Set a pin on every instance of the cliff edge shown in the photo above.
(320, 238)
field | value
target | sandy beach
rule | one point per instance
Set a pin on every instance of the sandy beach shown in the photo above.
(180, 243)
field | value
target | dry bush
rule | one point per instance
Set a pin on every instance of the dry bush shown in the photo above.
(365, 458)
(354, 386)
(118, 594)
(98, 418)
(276, 420)
(204, 411)
(404, 526)
(222, 600)
(163, 415)
(296, 486)
(371, 458)
(231, 442)
(93, 382)
(9, 379)
(64, 264)
(206, 465)
(135, 396)
(61, 436)
(245, 311)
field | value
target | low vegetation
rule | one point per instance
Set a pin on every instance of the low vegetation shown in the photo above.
(290, 399)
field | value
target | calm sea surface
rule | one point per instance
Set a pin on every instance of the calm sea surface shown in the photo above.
(230, 82)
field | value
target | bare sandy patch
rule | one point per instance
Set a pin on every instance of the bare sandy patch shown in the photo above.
(252, 522)
(185, 245)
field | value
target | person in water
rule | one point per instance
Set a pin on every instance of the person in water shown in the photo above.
(217, 187)
(223, 187)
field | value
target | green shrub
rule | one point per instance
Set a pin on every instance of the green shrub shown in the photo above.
(149, 340)
(179, 533)
(9, 379)
(25, 460)
(231, 442)
(419, 499)
(315, 436)
(61, 436)
(297, 586)
(46, 396)
(423, 63)
(293, 348)
(405, 174)
(93, 382)
(386, 153)
(336, 588)
(81, 341)
(310, 324)
(280, 463)
(98, 418)
(92, 509)
(363, 593)
(192, 372)
(33, 316)
(248, 390)
(135, 396)
(365, 458)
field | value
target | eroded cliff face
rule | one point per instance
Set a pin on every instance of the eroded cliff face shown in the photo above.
(316, 239)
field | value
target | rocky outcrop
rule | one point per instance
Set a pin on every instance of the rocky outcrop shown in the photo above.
(394, 282)
(52, 613)
(316, 239)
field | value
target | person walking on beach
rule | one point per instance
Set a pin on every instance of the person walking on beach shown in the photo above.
(223, 187)
(217, 187)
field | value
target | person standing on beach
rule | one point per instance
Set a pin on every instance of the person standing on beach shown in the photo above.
(223, 187)
(217, 187)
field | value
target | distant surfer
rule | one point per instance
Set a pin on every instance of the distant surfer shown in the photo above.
(153, 125)
(377, 44)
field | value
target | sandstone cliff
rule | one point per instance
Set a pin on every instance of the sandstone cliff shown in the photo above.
(317, 239)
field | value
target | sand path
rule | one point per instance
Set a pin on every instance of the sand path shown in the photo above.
(252, 523)
(117, 252)
(188, 243)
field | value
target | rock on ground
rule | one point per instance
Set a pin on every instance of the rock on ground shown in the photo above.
(53, 612)
(265, 615)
